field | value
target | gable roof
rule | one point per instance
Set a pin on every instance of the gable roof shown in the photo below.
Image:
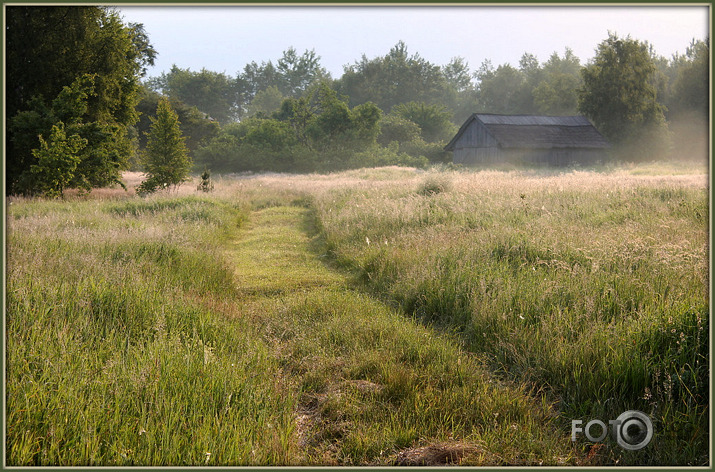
(536, 132)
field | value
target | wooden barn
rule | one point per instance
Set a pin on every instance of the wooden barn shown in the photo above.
(549, 140)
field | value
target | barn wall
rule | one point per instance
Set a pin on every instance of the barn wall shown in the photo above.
(478, 156)
(475, 136)
(547, 157)
(476, 147)
(560, 157)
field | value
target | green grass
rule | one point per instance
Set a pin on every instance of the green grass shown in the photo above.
(592, 287)
(120, 350)
(369, 381)
(357, 319)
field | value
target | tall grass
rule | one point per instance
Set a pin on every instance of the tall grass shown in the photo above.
(370, 382)
(116, 353)
(592, 286)
(212, 330)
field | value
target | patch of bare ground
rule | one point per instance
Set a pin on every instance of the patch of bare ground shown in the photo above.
(310, 425)
(439, 454)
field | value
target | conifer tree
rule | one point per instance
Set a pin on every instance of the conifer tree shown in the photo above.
(167, 161)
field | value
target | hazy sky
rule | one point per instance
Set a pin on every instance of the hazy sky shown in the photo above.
(226, 38)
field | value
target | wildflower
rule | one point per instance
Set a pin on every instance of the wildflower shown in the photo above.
(367, 240)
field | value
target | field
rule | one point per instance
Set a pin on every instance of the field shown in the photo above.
(370, 317)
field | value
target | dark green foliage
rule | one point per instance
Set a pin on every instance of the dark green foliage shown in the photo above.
(100, 159)
(167, 162)
(214, 93)
(405, 135)
(265, 102)
(332, 119)
(393, 79)
(297, 73)
(395, 128)
(206, 184)
(259, 88)
(433, 120)
(618, 95)
(556, 93)
(503, 90)
(195, 125)
(690, 86)
(57, 161)
(291, 77)
(91, 52)
(318, 131)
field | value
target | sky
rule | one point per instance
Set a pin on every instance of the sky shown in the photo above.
(226, 38)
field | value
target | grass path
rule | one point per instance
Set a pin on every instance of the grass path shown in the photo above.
(367, 385)
(274, 256)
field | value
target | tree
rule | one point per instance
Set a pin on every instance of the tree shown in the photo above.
(618, 95)
(51, 48)
(394, 128)
(197, 127)
(688, 103)
(690, 86)
(501, 90)
(556, 93)
(167, 161)
(57, 161)
(456, 72)
(464, 92)
(265, 102)
(256, 77)
(323, 120)
(213, 93)
(395, 78)
(291, 77)
(106, 143)
(433, 120)
(297, 73)
(315, 131)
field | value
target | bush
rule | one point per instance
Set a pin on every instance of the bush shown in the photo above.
(206, 184)
(435, 184)
(375, 156)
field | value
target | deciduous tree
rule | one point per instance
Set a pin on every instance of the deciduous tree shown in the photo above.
(57, 161)
(397, 77)
(619, 96)
(51, 48)
(213, 93)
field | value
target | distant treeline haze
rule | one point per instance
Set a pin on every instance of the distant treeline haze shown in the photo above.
(291, 115)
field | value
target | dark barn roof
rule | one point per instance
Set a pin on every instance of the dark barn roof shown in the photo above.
(537, 132)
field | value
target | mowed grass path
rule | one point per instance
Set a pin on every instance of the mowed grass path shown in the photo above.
(273, 255)
(373, 387)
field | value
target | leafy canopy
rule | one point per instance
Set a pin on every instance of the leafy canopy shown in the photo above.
(620, 97)
(79, 66)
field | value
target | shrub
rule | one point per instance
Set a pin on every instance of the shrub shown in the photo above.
(435, 184)
(206, 184)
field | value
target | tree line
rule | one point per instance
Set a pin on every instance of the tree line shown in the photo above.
(79, 113)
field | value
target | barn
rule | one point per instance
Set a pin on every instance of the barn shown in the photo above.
(486, 139)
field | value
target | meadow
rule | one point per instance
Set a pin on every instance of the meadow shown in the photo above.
(368, 317)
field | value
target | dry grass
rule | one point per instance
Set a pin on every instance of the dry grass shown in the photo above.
(515, 301)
